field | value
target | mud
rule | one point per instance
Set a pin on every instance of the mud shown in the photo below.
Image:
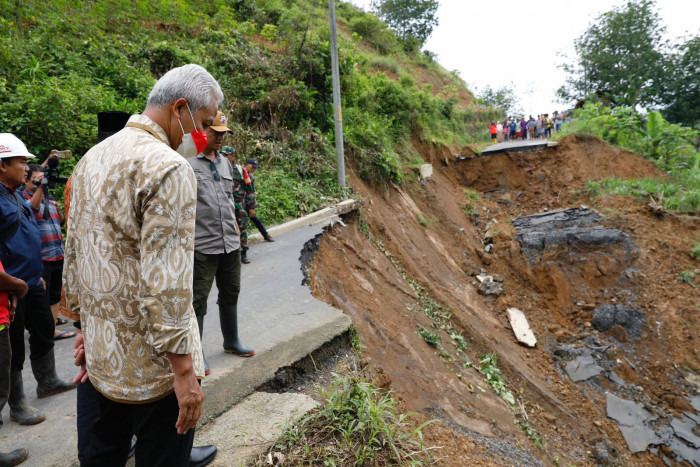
(405, 282)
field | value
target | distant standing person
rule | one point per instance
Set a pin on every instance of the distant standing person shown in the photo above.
(513, 129)
(217, 244)
(557, 121)
(251, 166)
(493, 132)
(243, 195)
(49, 218)
(523, 128)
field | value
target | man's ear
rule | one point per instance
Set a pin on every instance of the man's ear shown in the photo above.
(178, 107)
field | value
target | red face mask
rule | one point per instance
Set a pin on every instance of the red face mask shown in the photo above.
(192, 143)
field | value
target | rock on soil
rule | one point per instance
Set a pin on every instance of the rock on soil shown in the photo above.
(583, 367)
(607, 317)
(575, 226)
(521, 328)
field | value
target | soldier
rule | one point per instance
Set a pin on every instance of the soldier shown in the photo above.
(244, 196)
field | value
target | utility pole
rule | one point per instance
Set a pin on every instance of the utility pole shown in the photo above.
(337, 106)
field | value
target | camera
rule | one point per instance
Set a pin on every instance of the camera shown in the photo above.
(51, 177)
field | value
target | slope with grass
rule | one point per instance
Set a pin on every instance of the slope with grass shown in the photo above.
(405, 269)
(62, 62)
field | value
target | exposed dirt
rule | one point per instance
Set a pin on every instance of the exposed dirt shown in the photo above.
(417, 240)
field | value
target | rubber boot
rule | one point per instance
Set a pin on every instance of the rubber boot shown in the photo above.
(200, 322)
(244, 257)
(20, 411)
(48, 383)
(228, 316)
(15, 457)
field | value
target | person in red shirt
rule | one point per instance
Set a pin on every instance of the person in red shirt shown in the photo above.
(11, 290)
(493, 132)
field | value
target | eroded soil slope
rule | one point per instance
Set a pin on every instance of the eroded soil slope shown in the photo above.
(404, 269)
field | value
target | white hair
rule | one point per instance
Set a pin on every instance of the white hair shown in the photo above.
(191, 82)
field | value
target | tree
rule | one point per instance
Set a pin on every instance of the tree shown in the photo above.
(502, 99)
(620, 57)
(413, 20)
(681, 94)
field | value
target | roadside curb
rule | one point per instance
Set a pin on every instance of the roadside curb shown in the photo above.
(229, 389)
(322, 218)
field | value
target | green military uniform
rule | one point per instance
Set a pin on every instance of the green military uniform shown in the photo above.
(244, 197)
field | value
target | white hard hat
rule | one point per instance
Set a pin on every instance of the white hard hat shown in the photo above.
(11, 146)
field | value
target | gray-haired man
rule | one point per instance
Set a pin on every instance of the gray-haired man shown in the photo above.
(128, 271)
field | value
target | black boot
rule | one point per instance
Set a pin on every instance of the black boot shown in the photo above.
(15, 457)
(202, 455)
(48, 384)
(244, 257)
(200, 322)
(228, 316)
(20, 411)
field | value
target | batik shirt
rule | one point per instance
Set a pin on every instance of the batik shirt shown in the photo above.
(129, 259)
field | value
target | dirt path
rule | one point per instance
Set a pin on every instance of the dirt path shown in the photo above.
(404, 271)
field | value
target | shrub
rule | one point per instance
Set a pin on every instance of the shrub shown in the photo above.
(355, 424)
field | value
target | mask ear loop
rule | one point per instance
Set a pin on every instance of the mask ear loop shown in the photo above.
(181, 127)
(192, 117)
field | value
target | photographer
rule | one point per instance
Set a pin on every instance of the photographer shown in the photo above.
(49, 218)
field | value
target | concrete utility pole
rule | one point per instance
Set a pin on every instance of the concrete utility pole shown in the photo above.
(337, 106)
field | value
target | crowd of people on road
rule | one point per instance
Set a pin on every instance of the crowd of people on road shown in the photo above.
(154, 213)
(514, 128)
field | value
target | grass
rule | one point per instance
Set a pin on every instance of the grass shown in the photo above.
(687, 277)
(355, 424)
(695, 252)
(471, 207)
(675, 198)
(489, 368)
(432, 339)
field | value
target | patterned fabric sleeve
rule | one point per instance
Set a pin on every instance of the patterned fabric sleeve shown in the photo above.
(167, 257)
(70, 272)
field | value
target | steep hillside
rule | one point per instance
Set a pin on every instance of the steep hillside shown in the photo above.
(63, 61)
(405, 271)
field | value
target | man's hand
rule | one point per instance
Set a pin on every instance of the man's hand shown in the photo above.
(43, 283)
(188, 392)
(21, 289)
(53, 154)
(12, 305)
(79, 355)
(251, 212)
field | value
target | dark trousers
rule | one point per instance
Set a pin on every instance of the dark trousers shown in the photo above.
(261, 228)
(33, 314)
(105, 429)
(226, 268)
(53, 276)
(5, 355)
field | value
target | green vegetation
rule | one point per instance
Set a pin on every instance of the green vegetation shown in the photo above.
(63, 61)
(669, 146)
(687, 277)
(489, 368)
(355, 424)
(432, 339)
(471, 207)
(695, 252)
(413, 20)
(619, 56)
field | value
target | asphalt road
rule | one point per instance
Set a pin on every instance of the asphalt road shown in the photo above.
(278, 317)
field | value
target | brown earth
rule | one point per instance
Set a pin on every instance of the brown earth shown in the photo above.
(403, 267)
